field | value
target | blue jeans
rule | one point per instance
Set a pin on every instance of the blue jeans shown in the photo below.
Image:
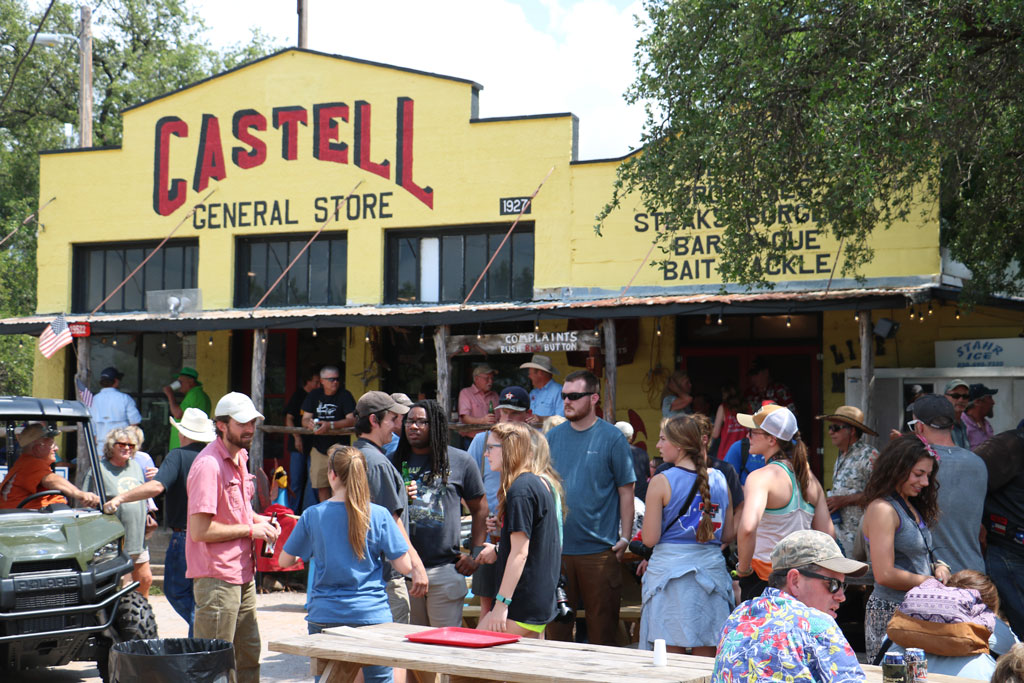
(1006, 569)
(177, 588)
(371, 674)
(300, 492)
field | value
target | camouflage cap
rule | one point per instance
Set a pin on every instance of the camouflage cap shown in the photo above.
(813, 547)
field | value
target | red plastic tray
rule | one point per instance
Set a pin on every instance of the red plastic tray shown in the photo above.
(462, 637)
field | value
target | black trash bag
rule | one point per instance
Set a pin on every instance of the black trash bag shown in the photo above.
(172, 660)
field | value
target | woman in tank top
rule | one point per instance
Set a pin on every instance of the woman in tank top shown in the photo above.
(780, 498)
(902, 502)
(687, 566)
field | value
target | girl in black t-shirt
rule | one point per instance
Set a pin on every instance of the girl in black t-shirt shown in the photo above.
(529, 551)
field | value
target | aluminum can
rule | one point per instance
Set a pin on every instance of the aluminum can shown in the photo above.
(894, 668)
(917, 664)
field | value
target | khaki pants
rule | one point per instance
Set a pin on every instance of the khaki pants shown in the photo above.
(398, 600)
(595, 579)
(228, 611)
(318, 469)
(442, 606)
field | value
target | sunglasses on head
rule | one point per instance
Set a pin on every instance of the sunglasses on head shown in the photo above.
(960, 397)
(576, 395)
(834, 585)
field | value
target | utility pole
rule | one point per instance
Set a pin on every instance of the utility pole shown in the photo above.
(85, 79)
(303, 23)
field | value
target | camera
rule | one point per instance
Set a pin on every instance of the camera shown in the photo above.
(640, 550)
(564, 612)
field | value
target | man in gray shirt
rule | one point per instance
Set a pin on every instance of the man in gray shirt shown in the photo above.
(375, 414)
(963, 482)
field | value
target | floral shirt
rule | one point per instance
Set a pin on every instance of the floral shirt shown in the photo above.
(850, 475)
(776, 392)
(777, 637)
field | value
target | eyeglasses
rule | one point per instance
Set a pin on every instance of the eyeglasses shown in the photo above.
(836, 428)
(959, 397)
(576, 395)
(329, 379)
(122, 444)
(417, 423)
(758, 432)
(489, 446)
(834, 585)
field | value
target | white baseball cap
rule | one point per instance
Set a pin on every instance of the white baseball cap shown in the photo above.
(237, 406)
(777, 420)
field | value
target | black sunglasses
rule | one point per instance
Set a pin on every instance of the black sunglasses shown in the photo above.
(836, 428)
(576, 395)
(959, 396)
(834, 585)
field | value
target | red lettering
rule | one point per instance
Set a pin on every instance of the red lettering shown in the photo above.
(362, 143)
(403, 154)
(168, 194)
(242, 121)
(325, 132)
(210, 159)
(289, 118)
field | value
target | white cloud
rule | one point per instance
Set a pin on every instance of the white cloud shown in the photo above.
(581, 61)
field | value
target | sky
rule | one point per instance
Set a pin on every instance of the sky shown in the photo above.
(530, 56)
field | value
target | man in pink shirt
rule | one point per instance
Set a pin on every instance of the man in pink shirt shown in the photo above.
(477, 401)
(222, 528)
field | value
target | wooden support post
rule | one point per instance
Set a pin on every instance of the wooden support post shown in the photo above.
(867, 368)
(611, 350)
(443, 369)
(259, 376)
(82, 372)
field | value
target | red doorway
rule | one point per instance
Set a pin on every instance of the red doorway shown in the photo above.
(797, 367)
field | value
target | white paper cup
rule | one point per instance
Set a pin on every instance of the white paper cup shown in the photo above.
(660, 655)
(175, 385)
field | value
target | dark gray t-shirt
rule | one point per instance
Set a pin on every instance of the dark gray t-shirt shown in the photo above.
(435, 514)
(910, 551)
(963, 482)
(173, 474)
(386, 488)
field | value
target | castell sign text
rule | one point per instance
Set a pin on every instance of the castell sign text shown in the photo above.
(249, 148)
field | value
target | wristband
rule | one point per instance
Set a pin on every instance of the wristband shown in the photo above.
(624, 540)
(503, 600)
(743, 574)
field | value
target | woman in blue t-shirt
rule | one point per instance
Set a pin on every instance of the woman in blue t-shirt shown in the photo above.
(687, 566)
(529, 551)
(348, 581)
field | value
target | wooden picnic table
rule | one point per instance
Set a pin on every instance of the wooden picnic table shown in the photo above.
(338, 653)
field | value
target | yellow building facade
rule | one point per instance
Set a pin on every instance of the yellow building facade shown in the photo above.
(413, 193)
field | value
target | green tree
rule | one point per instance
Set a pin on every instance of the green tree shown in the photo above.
(141, 49)
(852, 108)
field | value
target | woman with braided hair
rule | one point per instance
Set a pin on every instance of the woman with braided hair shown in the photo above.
(777, 500)
(688, 517)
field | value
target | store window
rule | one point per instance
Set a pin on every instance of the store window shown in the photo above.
(98, 269)
(432, 267)
(317, 278)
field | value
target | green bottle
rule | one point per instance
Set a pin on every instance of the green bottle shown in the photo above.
(490, 407)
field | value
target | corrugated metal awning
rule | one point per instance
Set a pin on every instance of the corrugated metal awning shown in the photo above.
(758, 303)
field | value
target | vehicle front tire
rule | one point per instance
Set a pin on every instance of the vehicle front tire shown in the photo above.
(134, 621)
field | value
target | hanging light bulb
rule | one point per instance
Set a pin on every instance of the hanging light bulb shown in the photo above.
(719, 318)
(957, 316)
(536, 325)
(789, 321)
(856, 316)
(367, 337)
(21, 343)
(657, 328)
(421, 336)
(912, 314)
(930, 308)
(163, 344)
(597, 330)
(314, 333)
(263, 337)
(114, 342)
(479, 332)
(211, 340)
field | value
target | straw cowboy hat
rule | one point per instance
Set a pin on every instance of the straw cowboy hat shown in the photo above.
(195, 425)
(850, 415)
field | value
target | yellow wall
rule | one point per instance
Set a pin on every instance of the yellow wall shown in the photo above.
(912, 347)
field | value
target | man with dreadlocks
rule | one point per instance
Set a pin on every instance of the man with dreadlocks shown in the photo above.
(442, 476)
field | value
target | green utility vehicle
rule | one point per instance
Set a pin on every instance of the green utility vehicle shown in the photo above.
(60, 566)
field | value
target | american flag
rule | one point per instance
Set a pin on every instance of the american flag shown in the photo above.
(84, 393)
(56, 336)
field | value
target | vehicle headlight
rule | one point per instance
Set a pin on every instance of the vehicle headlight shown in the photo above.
(106, 553)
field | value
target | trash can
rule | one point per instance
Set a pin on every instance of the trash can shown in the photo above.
(172, 660)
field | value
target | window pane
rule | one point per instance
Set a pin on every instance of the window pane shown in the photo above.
(522, 266)
(174, 263)
(339, 271)
(319, 273)
(134, 296)
(277, 259)
(451, 268)
(161, 354)
(276, 366)
(298, 276)
(499, 277)
(191, 266)
(115, 273)
(257, 271)
(430, 263)
(154, 272)
(408, 270)
(95, 279)
(476, 259)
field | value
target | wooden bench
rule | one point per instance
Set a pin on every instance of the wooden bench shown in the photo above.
(629, 620)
